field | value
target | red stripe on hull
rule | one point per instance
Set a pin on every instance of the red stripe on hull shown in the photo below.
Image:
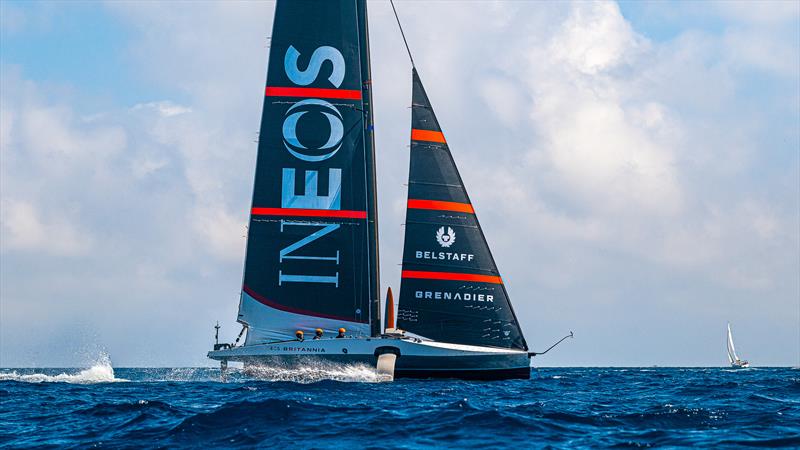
(451, 276)
(344, 94)
(271, 304)
(296, 212)
(441, 206)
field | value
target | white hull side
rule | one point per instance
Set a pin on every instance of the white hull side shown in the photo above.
(416, 359)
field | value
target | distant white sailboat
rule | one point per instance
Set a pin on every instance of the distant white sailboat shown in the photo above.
(733, 359)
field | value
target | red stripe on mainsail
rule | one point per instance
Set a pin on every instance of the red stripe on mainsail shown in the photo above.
(427, 135)
(440, 206)
(296, 212)
(272, 304)
(345, 94)
(451, 276)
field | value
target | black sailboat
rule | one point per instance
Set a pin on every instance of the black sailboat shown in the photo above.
(311, 266)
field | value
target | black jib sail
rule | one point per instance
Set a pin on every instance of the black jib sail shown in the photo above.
(450, 290)
(312, 241)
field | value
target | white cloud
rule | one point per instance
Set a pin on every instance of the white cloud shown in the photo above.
(604, 142)
(63, 142)
(71, 167)
(23, 229)
(503, 97)
(164, 108)
(764, 12)
(147, 165)
(595, 38)
(223, 232)
(756, 49)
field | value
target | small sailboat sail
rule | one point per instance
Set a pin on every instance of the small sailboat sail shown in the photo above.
(451, 290)
(731, 349)
(733, 358)
(311, 258)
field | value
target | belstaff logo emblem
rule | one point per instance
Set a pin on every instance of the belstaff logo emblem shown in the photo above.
(445, 239)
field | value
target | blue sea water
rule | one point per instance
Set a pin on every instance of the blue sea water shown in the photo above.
(344, 407)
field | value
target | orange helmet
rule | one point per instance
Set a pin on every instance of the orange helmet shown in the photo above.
(318, 331)
(342, 330)
(298, 333)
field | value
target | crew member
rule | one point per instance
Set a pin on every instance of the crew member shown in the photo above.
(299, 335)
(318, 334)
(341, 333)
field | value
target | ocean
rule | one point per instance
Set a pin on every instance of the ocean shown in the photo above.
(345, 407)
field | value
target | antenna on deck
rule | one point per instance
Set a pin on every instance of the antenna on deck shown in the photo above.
(216, 333)
(402, 34)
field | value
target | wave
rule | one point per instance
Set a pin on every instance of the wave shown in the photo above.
(604, 408)
(100, 372)
(178, 374)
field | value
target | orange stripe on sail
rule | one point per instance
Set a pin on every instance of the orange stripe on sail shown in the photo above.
(441, 206)
(451, 276)
(427, 135)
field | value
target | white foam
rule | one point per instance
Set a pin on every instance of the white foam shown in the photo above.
(317, 371)
(176, 374)
(100, 372)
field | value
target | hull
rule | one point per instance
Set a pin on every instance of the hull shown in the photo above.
(415, 358)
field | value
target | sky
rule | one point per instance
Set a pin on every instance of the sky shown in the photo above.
(635, 166)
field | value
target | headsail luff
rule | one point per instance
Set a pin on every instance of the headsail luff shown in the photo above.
(308, 262)
(451, 290)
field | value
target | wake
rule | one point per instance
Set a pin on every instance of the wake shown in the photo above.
(314, 372)
(100, 372)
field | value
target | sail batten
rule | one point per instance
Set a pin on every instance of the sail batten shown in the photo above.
(451, 290)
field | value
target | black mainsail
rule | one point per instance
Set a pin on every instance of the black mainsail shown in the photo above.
(312, 252)
(451, 290)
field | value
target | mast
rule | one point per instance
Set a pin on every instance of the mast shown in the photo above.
(371, 175)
